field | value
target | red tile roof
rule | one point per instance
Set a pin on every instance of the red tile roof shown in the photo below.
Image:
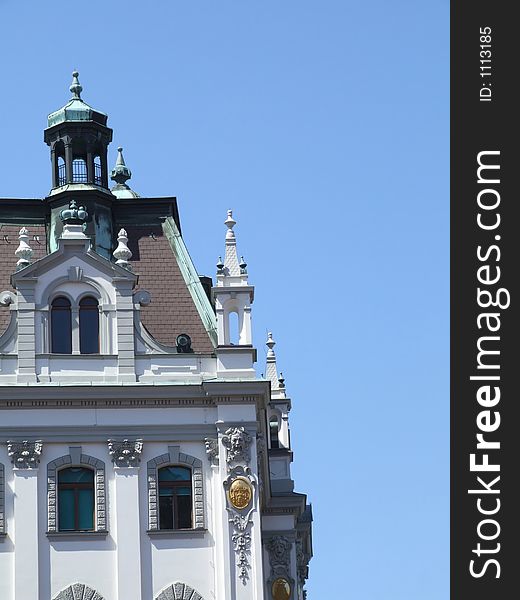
(172, 310)
(8, 245)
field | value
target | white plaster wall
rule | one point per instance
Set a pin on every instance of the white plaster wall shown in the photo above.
(95, 562)
(89, 561)
(159, 561)
(177, 558)
(88, 417)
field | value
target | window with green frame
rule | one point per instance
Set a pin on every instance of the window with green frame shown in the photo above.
(175, 498)
(76, 499)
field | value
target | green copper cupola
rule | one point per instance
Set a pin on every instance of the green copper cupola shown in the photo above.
(78, 137)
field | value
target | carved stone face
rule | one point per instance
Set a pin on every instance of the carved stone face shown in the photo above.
(280, 548)
(240, 493)
(236, 440)
(281, 590)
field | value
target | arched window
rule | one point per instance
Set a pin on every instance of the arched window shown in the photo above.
(97, 171)
(79, 170)
(88, 326)
(61, 326)
(62, 175)
(76, 499)
(175, 503)
(234, 329)
(273, 432)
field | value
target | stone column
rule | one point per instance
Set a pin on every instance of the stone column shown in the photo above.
(104, 167)
(54, 163)
(68, 163)
(90, 167)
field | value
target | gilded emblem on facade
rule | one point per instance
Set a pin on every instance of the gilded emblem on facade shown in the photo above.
(240, 493)
(281, 590)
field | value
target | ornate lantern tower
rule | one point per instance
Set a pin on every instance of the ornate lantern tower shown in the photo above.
(78, 137)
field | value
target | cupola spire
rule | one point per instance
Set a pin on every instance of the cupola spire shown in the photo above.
(121, 174)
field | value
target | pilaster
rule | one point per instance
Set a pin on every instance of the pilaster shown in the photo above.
(127, 533)
(25, 535)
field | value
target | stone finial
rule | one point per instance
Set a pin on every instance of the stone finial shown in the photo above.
(230, 222)
(122, 253)
(220, 265)
(120, 173)
(76, 87)
(24, 252)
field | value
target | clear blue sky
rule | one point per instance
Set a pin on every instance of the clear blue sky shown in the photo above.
(324, 125)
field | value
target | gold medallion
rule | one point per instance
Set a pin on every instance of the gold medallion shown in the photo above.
(240, 493)
(281, 590)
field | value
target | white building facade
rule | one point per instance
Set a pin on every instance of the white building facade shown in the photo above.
(141, 456)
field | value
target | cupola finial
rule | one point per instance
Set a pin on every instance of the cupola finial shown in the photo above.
(76, 87)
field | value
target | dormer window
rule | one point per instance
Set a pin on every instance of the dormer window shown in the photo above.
(75, 328)
(88, 326)
(61, 326)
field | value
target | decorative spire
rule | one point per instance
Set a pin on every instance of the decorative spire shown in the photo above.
(231, 265)
(24, 252)
(271, 370)
(75, 87)
(122, 253)
(120, 173)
